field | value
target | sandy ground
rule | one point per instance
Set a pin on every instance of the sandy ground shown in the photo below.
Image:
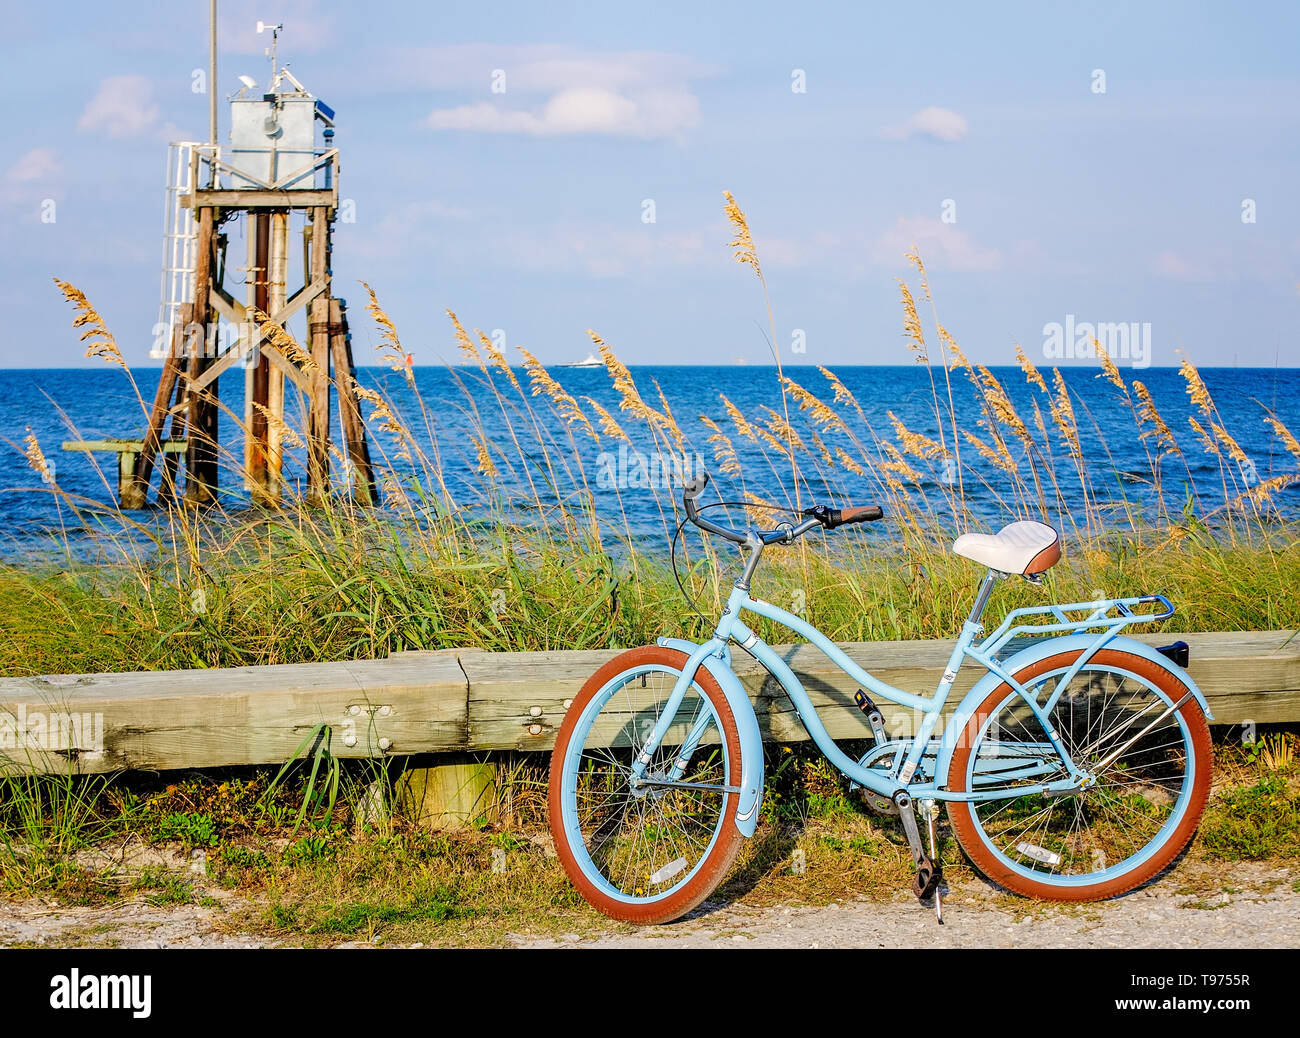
(1260, 908)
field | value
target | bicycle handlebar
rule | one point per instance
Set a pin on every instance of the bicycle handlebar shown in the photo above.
(822, 515)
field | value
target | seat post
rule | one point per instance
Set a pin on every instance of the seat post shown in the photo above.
(982, 598)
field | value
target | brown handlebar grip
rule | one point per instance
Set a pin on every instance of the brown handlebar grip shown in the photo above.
(861, 514)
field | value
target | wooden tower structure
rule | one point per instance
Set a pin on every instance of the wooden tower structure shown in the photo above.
(280, 167)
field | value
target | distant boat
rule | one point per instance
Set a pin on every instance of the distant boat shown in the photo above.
(592, 361)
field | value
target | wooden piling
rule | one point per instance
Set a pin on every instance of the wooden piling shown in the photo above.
(318, 333)
(136, 493)
(354, 429)
(201, 457)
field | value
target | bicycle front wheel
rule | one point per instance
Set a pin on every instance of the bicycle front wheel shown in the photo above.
(646, 850)
(1125, 719)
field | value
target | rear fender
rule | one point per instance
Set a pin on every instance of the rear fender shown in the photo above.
(1033, 654)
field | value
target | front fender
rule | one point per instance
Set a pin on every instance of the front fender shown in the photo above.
(1041, 651)
(751, 742)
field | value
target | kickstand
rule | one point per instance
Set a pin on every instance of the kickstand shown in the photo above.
(931, 812)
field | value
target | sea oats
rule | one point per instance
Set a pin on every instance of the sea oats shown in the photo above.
(1032, 375)
(841, 392)
(629, 397)
(738, 420)
(36, 457)
(1000, 405)
(724, 452)
(389, 346)
(463, 341)
(1234, 449)
(1165, 442)
(485, 463)
(1109, 369)
(565, 405)
(898, 465)
(847, 461)
(950, 348)
(1196, 387)
(278, 337)
(1207, 441)
(912, 325)
(607, 423)
(820, 413)
(1262, 492)
(914, 443)
(743, 242)
(98, 339)
(1284, 434)
(670, 421)
(997, 457)
(1063, 416)
(783, 429)
(498, 359)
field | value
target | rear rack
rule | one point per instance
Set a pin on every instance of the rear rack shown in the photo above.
(1111, 614)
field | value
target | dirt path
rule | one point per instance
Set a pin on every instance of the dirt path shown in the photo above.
(1250, 906)
(1264, 911)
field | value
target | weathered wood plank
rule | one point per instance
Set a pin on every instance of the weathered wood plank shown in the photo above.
(264, 198)
(469, 700)
(246, 715)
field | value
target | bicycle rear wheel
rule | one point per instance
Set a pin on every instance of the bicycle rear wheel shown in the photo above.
(650, 850)
(1128, 721)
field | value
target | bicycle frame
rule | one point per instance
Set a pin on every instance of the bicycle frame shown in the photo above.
(908, 755)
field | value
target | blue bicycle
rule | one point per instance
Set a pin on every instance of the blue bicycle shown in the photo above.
(1075, 769)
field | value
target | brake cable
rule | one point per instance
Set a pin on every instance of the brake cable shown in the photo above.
(672, 550)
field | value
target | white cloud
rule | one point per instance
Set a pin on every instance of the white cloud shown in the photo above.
(940, 124)
(123, 107)
(632, 94)
(30, 178)
(36, 164)
(942, 246)
(580, 110)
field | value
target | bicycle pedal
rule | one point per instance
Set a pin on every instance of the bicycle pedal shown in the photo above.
(874, 717)
(929, 874)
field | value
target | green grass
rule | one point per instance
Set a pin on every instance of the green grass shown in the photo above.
(291, 605)
(1257, 821)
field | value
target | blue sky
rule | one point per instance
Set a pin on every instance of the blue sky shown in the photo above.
(523, 210)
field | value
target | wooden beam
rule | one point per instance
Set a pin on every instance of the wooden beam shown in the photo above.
(264, 198)
(168, 446)
(466, 700)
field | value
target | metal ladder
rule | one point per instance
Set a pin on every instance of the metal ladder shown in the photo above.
(180, 246)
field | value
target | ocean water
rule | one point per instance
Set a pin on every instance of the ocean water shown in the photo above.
(64, 404)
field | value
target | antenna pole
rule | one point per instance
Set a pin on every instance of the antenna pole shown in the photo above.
(212, 72)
